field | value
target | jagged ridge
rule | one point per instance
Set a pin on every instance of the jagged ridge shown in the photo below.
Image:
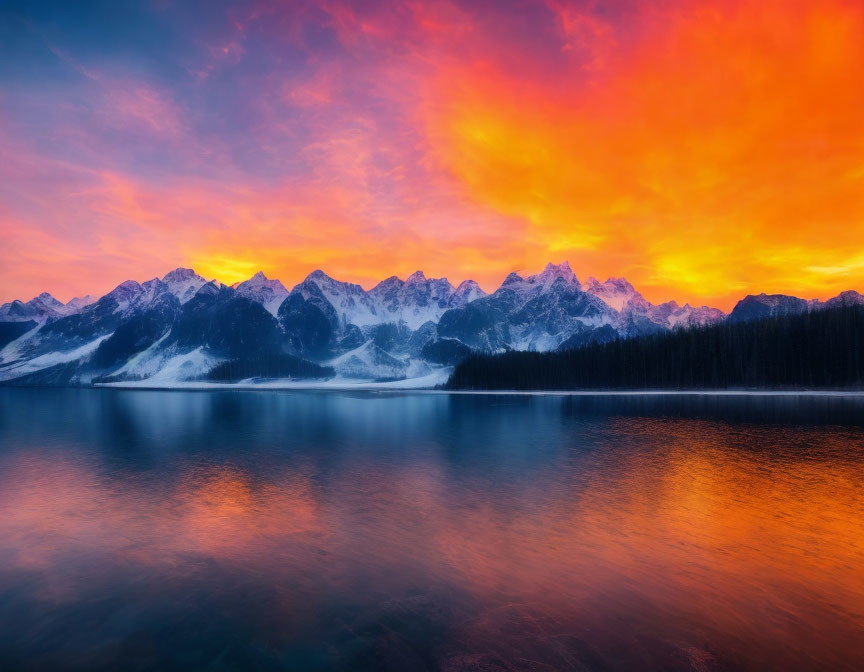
(182, 327)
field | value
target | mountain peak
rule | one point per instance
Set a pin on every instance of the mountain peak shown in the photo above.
(45, 300)
(416, 276)
(127, 285)
(180, 275)
(318, 274)
(562, 268)
(620, 284)
(153, 285)
(467, 291)
(467, 286)
(554, 272)
(80, 301)
(258, 288)
(256, 280)
(850, 294)
(619, 293)
(848, 298)
(392, 281)
(512, 278)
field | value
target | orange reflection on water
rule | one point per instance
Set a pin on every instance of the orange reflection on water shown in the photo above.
(737, 544)
(758, 551)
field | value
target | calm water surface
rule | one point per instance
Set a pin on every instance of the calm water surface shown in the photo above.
(318, 531)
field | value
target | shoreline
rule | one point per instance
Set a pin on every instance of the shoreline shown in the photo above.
(395, 386)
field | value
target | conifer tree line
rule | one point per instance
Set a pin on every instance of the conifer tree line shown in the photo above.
(821, 349)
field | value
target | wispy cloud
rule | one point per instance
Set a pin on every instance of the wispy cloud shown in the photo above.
(703, 149)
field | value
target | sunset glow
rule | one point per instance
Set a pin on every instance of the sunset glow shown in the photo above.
(702, 149)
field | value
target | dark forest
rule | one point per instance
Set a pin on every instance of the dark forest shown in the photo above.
(816, 350)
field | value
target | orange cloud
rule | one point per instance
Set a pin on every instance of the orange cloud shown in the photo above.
(719, 152)
(703, 150)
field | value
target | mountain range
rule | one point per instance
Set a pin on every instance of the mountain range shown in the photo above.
(183, 328)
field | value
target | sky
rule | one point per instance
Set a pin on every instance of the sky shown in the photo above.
(701, 149)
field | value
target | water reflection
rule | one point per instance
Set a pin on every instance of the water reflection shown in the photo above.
(335, 531)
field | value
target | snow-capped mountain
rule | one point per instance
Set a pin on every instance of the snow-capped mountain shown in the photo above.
(269, 293)
(620, 295)
(419, 299)
(350, 302)
(554, 275)
(465, 293)
(46, 304)
(553, 310)
(182, 327)
(183, 283)
(125, 319)
(42, 308)
(617, 293)
(78, 303)
(413, 301)
(39, 309)
(538, 312)
(672, 315)
(130, 296)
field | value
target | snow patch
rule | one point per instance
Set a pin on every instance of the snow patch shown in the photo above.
(185, 367)
(50, 359)
(145, 363)
(368, 362)
(12, 351)
(431, 380)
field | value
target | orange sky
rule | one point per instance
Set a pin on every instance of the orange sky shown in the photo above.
(704, 150)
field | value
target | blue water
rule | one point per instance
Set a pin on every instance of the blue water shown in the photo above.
(334, 531)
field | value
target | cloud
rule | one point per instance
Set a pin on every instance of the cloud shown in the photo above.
(702, 149)
(719, 138)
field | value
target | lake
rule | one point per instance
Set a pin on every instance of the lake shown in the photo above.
(233, 530)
